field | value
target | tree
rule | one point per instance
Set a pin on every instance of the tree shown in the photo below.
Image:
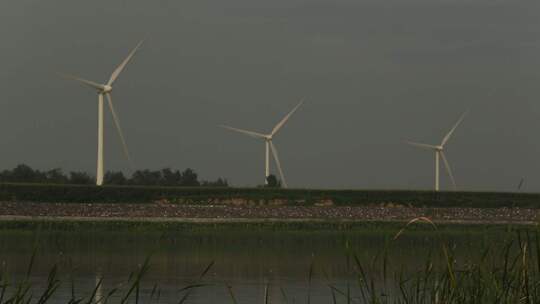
(56, 176)
(272, 182)
(114, 178)
(80, 178)
(23, 173)
(146, 178)
(220, 182)
(171, 178)
(164, 177)
(189, 178)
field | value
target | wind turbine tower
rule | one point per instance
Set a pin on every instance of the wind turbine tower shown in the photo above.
(269, 145)
(439, 154)
(105, 90)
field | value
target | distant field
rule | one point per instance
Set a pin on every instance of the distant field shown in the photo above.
(261, 196)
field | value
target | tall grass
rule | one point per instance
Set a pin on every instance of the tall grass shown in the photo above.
(510, 275)
(502, 274)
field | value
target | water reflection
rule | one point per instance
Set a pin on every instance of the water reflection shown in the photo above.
(247, 261)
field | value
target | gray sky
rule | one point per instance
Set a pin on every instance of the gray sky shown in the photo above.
(374, 73)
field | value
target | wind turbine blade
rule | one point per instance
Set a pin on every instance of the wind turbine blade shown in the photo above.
(119, 129)
(425, 146)
(521, 183)
(250, 133)
(448, 169)
(447, 137)
(89, 83)
(284, 120)
(278, 164)
(121, 67)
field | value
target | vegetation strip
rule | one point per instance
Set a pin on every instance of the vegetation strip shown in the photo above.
(187, 224)
(260, 196)
(243, 220)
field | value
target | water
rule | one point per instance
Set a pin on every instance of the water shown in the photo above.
(247, 261)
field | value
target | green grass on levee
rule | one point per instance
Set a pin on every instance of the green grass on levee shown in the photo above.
(261, 196)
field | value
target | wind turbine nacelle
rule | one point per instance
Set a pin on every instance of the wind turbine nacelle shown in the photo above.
(107, 89)
(439, 148)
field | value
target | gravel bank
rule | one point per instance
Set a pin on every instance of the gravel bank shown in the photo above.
(171, 211)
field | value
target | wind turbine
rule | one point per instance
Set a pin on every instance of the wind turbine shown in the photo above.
(439, 153)
(105, 90)
(268, 143)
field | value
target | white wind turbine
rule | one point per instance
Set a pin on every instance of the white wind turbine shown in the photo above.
(269, 145)
(106, 89)
(439, 153)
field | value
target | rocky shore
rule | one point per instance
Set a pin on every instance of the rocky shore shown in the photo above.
(224, 212)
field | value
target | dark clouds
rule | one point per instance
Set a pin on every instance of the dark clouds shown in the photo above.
(373, 73)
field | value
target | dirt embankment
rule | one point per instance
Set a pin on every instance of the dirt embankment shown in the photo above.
(162, 210)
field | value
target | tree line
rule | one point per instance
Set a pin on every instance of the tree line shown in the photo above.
(164, 177)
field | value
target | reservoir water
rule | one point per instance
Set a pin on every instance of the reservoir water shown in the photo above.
(248, 261)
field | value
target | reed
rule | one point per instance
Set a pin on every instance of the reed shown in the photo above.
(507, 274)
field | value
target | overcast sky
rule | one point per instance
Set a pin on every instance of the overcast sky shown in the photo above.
(374, 73)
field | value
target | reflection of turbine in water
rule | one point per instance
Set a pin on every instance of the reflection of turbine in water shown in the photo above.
(99, 289)
(272, 288)
(266, 292)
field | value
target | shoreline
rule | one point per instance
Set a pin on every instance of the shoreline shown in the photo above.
(277, 212)
(202, 221)
(272, 225)
(185, 217)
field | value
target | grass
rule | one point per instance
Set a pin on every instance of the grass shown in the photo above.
(143, 226)
(509, 273)
(260, 196)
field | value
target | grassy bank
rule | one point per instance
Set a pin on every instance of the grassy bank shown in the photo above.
(261, 196)
(190, 225)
